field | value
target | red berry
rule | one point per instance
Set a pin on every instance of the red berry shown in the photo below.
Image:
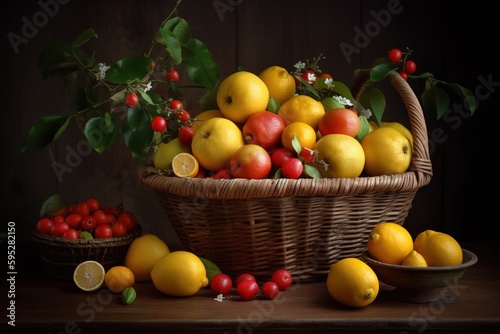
(282, 278)
(183, 115)
(176, 105)
(292, 168)
(404, 75)
(185, 134)
(247, 289)
(158, 124)
(269, 290)
(173, 76)
(131, 100)
(221, 284)
(410, 66)
(395, 55)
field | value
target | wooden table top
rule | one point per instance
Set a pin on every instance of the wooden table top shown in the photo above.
(50, 306)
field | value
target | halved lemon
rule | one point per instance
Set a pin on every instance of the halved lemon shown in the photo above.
(185, 165)
(89, 275)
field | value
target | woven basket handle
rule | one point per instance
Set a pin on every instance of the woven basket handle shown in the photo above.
(421, 159)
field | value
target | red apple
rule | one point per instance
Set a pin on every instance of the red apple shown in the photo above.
(250, 161)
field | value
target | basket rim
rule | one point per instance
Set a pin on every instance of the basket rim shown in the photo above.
(418, 175)
(85, 243)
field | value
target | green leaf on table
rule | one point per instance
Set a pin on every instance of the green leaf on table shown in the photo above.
(46, 130)
(435, 100)
(101, 132)
(51, 204)
(373, 98)
(380, 71)
(468, 97)
(137, 131)
(341, 88)
(200, 66)
(84, 37)
(128, 70)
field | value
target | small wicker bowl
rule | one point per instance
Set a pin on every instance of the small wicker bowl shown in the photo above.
(421, 284)
(61, 256)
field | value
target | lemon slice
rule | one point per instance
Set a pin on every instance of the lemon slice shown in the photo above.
(185, 165)
(89, 275)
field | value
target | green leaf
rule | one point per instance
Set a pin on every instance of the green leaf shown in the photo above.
(380, 71)
(273, 105)
(181, 31)
(467, 95)
(209, 99)
(200, 66)
(435, 99)
(101, 132)
(50, 56)
(128, 70)
(173, 46)
(84, 37)
(296, 145)
(330, 103)
(211, 268)
(308, 86)
(342, 89)
(137, 130)
(51, 204)
(364, 127)
(46, 130)
(372, 98)
(146, 97)
(312, 171)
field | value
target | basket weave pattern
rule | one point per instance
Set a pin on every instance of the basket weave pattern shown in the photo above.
(61, 256)
(303, 225)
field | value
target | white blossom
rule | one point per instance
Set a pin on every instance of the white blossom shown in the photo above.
(148, 87)
(311, 77)
(102, 71)
(300, 66)
(366, 112)
(343, 100)
(219, 298)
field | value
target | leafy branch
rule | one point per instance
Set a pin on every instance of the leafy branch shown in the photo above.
(100, 90)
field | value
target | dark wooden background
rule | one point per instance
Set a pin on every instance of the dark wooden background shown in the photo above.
(455, 43)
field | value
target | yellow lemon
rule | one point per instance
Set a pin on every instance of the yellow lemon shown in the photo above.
(240, 95)
(414, 259)
(142, 255)
(179, 274)
(165, 152)
(304, 133)
(118, 278)
(215, 141)
(279, 82)
(89, 275)
(205, 116)
(401, 128)
(389, 243)
(352, 282)
(387, 151)
(185, 165)
(339, 155)
(438, 248)
(302, 108)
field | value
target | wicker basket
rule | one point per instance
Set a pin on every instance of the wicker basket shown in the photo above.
(303, 225)
(61, 256)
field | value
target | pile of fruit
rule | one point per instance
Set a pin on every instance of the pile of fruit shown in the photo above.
(354, 283)
(278, 124)
(173, 273)
(84, 220)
